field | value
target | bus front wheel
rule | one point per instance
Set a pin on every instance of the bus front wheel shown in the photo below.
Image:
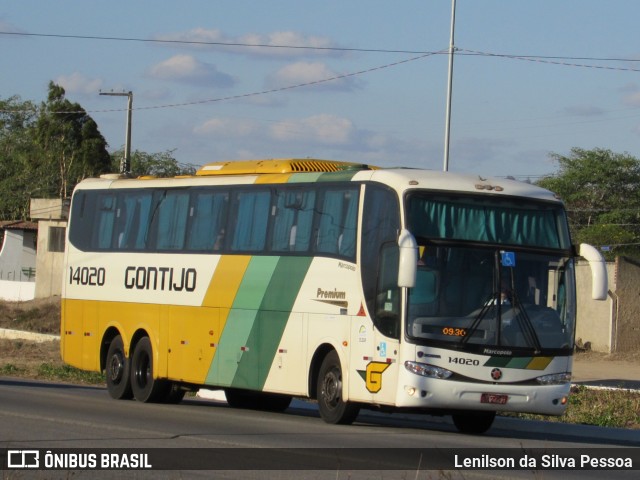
(474, 423)
(117, 370)
(333, 409)
(145, 388)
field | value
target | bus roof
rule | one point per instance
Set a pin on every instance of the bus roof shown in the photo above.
(310, 170)
(278, 165)
(405, 179)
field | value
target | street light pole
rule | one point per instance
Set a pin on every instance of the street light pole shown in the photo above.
(452, 48)
(125, 164)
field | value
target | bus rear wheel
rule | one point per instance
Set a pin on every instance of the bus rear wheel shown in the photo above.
(145, 388)
(333, 409)
(117, 371)
(473, 423)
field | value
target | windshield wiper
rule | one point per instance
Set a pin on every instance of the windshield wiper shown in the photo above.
(495, 300)
(492, 301)
(525, 324)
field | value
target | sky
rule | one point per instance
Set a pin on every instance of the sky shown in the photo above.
(366, 81)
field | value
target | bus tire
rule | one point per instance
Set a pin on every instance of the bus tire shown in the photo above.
(474, 423)
(333, 409)
(145, 388)
(117, 368)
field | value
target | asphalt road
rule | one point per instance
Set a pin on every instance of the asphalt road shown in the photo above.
(52, 416)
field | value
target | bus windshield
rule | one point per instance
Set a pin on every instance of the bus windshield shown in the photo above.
(491, 274)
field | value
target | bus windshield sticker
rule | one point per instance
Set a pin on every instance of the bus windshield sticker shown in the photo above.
(508, 259)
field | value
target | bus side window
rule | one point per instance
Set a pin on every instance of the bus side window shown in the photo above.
(172, 220)
(380, 226)
(338, 222)
(106, 218)
(136, 224)
(293, 222)
(208, 216)
(387, 308)
(251, 220)
(83, 216)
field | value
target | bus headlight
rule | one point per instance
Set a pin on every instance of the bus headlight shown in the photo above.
(554, 379)
(427, 370)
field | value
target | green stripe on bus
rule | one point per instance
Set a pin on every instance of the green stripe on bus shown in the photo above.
(343, 176)
(233, 341)
(522, 363)
(304, 177)
(270, 322)
(519, 362)
(255, 282)
(497, 362)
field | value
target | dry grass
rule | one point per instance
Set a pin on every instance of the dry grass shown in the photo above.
(42, 315)
(29, 359)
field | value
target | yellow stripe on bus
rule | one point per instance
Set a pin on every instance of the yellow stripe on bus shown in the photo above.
(226, 281)
(539, 363)
(274, 178)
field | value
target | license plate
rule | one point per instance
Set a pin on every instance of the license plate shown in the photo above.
(495, 398)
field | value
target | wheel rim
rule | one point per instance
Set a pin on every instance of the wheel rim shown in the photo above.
(332, 388)
(116, 367)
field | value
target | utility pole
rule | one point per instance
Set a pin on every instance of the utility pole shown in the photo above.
(125, 164)
(452, 49)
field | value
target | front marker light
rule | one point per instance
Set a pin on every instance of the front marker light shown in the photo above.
(426, 370)
(554, 379)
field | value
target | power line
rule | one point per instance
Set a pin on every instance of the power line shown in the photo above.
(211, 43)
(555, 60)
(458, 51)
(420, 54)
(253, 94)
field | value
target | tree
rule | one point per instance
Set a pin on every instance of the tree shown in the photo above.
(601, 190)
(16, 151)
(161, 164)
(45, 151)
(72, 145)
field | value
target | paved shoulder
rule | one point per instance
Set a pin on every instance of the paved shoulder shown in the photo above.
(601, 370)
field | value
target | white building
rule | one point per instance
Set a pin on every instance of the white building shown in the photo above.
(18, 260)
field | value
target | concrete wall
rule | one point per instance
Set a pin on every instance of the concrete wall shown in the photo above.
(50, 212)
(594, 316)
(626, 319)
(17, 291)
(18, 255)
(50, 265)
(613, 325)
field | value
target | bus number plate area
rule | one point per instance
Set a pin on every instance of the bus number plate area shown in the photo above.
(494, 398)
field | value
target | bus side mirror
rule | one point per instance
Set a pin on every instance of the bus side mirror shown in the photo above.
(408, 264)
(599, 282)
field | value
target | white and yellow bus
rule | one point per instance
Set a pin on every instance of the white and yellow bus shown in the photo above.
(356, 286)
